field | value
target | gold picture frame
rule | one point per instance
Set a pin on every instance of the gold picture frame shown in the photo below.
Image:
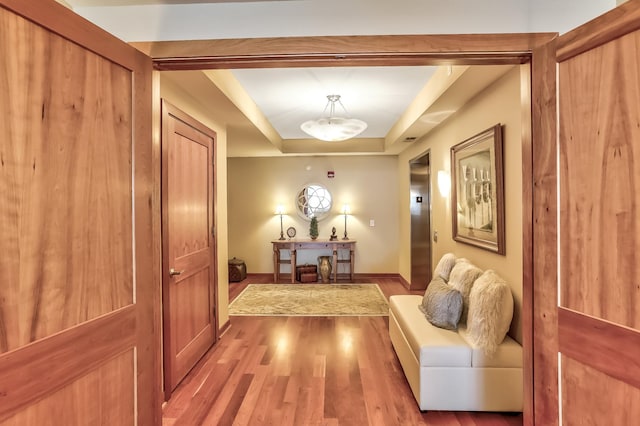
(477, 200)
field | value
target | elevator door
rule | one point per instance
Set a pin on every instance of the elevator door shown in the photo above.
(420, 223)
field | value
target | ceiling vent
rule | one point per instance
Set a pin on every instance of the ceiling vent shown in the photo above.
(409, 139)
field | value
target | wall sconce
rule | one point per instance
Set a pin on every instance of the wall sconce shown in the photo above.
(280, 211)
(345, 212)
(444, 183)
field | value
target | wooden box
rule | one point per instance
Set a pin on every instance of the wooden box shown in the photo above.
(308, 277)
(306, 273)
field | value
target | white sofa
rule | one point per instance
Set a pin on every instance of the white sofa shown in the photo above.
(446, 371)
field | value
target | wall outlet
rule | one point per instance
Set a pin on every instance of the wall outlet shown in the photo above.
(372, 222)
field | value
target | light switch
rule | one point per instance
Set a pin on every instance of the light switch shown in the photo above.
(372, 222)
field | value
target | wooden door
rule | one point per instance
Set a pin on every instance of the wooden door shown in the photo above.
(188, 243)
(79, 304)
(599, 307)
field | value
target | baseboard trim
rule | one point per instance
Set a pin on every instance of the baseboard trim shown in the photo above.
(225, 327)
(342, 277)
(404, 282)
(365, 275)
(260, 275)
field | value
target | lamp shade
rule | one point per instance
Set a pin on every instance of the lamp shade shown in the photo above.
(332, 128)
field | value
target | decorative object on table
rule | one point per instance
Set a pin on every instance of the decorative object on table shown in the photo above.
(477, 198)
(313, 228)
(280, 211)
(292, 252)
(333, 237)
(324, 266)
(345, 212)
(237, 270)
(313, 200)
(291, 232)
(307, 273)
(333, 128)
(310, 300)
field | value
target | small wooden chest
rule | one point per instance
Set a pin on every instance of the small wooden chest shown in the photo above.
(308, 277)
(307, 273)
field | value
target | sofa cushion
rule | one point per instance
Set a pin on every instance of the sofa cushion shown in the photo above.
(444, 266)
(442, 304)
(432, 346)
(490, 311)
(462, 276)
(508, 354)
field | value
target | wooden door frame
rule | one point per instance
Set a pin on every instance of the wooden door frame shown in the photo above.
(168, 110)
(425, 153)
(536, 54)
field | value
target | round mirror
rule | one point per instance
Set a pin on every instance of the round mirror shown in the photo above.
(313, 200)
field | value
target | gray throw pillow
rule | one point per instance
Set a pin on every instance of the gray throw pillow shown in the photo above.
(442, 304)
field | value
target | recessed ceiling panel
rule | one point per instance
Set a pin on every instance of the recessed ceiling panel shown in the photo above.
(290, 96)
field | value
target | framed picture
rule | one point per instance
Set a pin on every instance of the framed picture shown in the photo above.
(478, 191)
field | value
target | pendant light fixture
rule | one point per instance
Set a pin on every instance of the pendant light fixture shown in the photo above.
(333, 128)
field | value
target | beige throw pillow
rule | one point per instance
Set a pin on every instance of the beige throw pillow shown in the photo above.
(462, 276)
(490, 311)
(444, 266)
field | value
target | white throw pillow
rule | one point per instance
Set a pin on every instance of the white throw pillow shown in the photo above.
(462, 276)
(490, 311)
(444, 266)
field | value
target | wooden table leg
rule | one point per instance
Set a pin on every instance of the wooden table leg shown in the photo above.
(276, 263)
(335, 265)
(352, 264)
(293, 266)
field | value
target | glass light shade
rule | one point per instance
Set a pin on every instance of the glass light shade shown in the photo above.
(444, 183)
(280, 209)
(333, 129)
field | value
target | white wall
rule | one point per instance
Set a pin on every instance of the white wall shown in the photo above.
(369, 184)
(355, 17)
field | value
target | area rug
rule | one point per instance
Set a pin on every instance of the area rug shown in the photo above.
(310, 300)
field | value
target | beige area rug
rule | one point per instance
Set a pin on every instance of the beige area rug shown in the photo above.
(310, 300)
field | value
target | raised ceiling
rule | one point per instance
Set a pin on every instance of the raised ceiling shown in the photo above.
(290, 96)
(252, 133)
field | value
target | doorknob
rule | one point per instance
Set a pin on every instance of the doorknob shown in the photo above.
(173, 272)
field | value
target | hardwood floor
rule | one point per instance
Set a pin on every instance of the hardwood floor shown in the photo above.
(307, 371)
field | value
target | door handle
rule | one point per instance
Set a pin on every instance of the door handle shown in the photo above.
(173, 272)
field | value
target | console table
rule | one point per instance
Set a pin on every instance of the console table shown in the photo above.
(294, 245)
